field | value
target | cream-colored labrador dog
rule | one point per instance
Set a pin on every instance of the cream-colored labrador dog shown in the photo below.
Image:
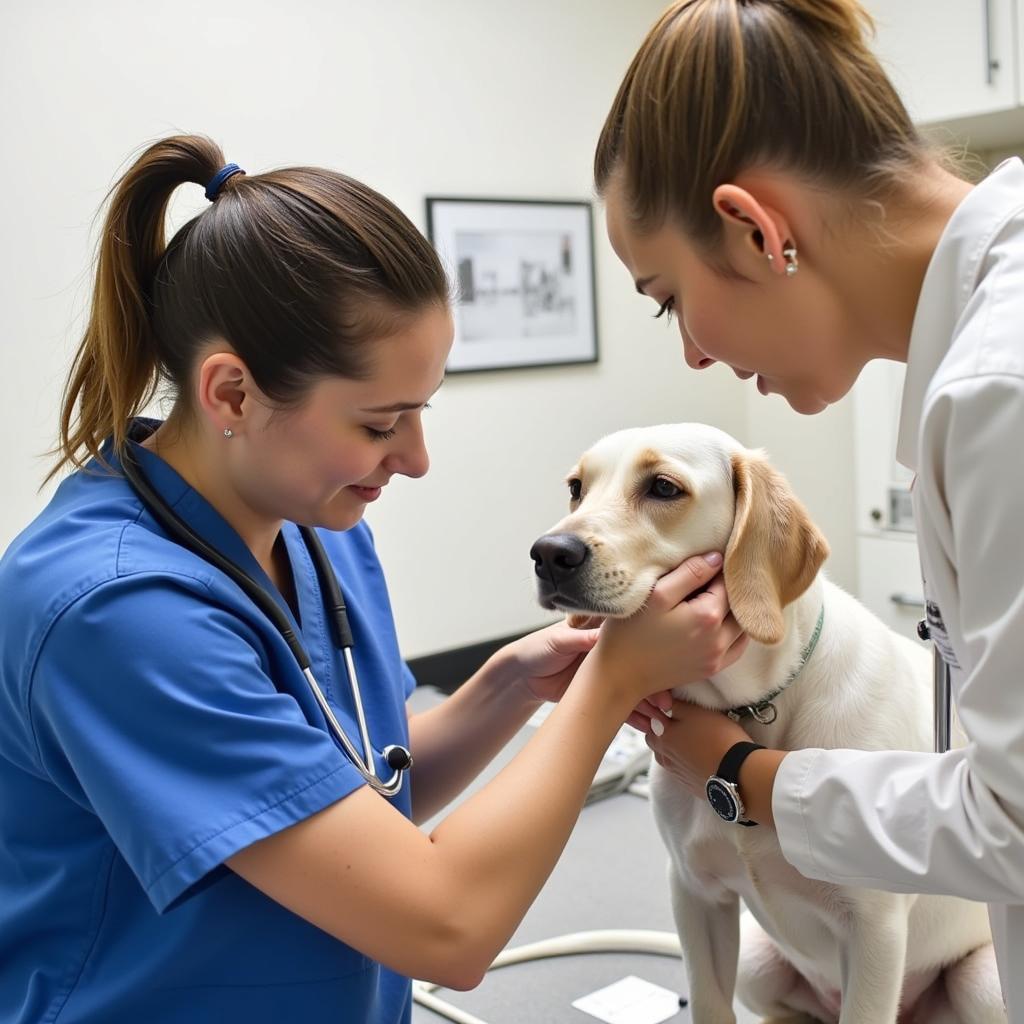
(644, 500)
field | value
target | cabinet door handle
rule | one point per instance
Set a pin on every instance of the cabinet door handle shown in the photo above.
(991, 64)
(905, 601)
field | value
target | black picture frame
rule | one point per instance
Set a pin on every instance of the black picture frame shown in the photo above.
(524, 280)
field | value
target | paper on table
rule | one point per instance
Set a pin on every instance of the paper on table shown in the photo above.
(630, 1001)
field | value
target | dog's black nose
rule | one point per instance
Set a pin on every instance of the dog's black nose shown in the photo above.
(557, 556)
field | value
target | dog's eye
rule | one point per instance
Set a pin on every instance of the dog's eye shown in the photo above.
(661, 487)
(575, 489)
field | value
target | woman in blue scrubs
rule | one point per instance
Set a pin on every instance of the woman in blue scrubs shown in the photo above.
(181, 838)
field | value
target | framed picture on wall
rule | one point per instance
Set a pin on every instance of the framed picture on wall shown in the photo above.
(523, 272)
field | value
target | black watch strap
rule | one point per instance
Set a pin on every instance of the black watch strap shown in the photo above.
(729, 769)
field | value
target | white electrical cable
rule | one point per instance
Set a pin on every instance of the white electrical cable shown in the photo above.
(614, 941)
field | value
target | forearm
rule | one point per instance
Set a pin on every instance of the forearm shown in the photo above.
(442, 906)
(757, 781)
(453, 742)
(901, 821)
(502, 843)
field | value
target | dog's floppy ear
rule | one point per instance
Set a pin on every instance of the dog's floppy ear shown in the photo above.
(774, 551)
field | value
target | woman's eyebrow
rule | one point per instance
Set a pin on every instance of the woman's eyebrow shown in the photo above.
(402, 406)
(397, 407)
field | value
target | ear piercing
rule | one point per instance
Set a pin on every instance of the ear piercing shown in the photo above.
(789, 254)
(792, 265)
(228, 432)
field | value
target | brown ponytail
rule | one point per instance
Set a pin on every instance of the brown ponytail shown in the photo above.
(296, 269)
(720, 86)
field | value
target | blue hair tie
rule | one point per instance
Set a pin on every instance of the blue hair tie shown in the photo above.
(217, 181)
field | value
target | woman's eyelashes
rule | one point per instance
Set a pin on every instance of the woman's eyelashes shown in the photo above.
(387, 433)
(665, 309)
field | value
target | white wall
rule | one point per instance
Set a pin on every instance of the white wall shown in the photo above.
(456, 97)
(817, 457)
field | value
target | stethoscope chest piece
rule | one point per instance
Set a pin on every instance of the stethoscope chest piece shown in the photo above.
(397, 757)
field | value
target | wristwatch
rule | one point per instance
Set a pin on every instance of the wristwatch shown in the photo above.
(723, 787)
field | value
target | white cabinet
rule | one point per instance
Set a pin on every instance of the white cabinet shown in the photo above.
(890, 580)
(888, 567)
(950, 60)
(882, 484)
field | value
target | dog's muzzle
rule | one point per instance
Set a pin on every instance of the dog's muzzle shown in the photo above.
(558, 559)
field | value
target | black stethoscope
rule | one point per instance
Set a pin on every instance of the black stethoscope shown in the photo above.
(397, 757)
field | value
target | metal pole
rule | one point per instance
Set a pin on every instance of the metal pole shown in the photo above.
(941, 695)
(942, 703)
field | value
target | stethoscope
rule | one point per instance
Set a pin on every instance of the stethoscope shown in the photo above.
(397, 757)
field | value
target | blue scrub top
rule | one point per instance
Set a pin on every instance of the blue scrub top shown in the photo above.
(152, 724)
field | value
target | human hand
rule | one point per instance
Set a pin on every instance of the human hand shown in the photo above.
(546, 661)
(674, 639)
(692, 742)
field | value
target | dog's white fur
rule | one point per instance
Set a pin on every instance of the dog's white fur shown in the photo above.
(827, 952)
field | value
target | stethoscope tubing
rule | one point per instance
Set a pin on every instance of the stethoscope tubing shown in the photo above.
(178, 530)
(366, 767)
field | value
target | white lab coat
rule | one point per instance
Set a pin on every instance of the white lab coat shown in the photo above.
(950, 823)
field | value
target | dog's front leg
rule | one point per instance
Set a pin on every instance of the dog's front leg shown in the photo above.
(873, 959)
(710, 936)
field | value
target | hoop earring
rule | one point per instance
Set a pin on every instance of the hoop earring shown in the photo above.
(792, 264)
(228, 432)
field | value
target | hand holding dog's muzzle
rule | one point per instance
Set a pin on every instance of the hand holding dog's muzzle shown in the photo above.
(675, 639)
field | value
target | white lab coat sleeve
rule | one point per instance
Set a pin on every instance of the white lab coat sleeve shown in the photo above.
(923, 822)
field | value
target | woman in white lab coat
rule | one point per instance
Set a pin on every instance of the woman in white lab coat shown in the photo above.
(765, 185)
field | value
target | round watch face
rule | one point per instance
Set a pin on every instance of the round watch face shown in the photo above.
(721, 799)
